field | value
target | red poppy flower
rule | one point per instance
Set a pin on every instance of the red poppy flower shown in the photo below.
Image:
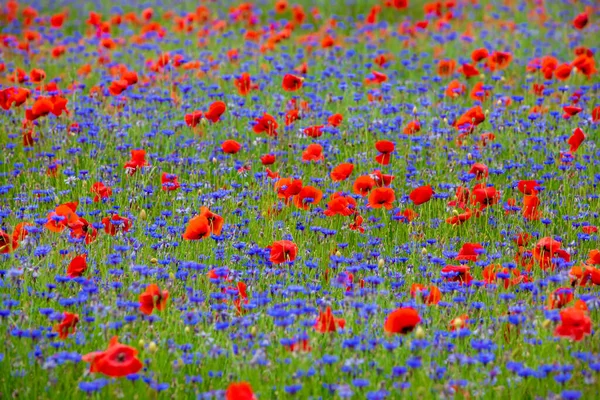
(67, 326)
(117, 87)
(385, 147)
(429, 295)
(560, 298)
(563, 72)
(314, 131)
(589, 229)
(459, 219)
(455, 89)
(313, 152)
(341, 172)
(546, 249)
(458, 322)
(215, 111)
(266, 124)
(194, 118)
(530, 208)
(479, 93)
(197, 228)
(499, 60)
(485, 196)
(381, 180)
(63, 215)
(153, 298)
(357, 224)
(340, 205)
(37, 75)
(479, 54)
(580, 21)
(402, 320)
(100, 191)
(574, 324)
(576, 139)
(571, 111)
(470, 119)
(479, 170)
(230, 147)
(327, 322)
(292, 83)
(376, 78)
(382, 197)
(169, 182)
(283, 251)
(469, 251)
(468, 71)
(594, 257)
(244, 84)
(77, 266)
(528, 187)
(446, 67)
(268, 159)
(307, 197)
(421, 195)
(116, 223)
(335, 120)
(138, 160)
(411, 128)
(9, 243)
(239, 391)
(116, 361)
(457, 273)
(363, 185)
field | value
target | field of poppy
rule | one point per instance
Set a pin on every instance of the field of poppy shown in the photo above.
(299, 199)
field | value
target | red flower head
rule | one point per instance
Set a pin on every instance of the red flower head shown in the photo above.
(116, 223)
(381, 180)
(244, 84)
(67, 325)
(479, 54)
(138, 160)
(313, 152)
(169, 182)
(193, 119)
(100, 191)
(292, 83)
(239, 391)
(594, 257)
(528, 187)
(560, 298)
(580, 21)
(576, 139)
(402, 320)
(485, 196)
(268, 159)
(63, 215)
(363, 185)
(77, 266)
(335, 120)
(469, 251)
(314, 131)
(411, 128)
(266, 124)
(153, 298)
(215, 221)
(283, 251)
(327, 322)
(421, 195)
(308, 197)
(215, 110)
(230, 147)
(546, 249)
(116, 361)
(197, 228)
(479, 170)
(385, 147)
(341, 172)
(457, 273)
(574, 324)
(382, 197)
(340, 205)
(429, 295)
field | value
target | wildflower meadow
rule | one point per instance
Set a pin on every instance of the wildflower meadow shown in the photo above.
(311, 199)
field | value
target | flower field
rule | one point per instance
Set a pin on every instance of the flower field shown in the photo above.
(374, 199)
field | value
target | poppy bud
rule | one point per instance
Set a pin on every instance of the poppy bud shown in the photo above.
(172, 276)
(338, 254)
(381, 263)
(152, 347)
(199, 192)
(424, 251)
(469, 156)
(253, 330)
(187, 329)
(546, 323)
(153, 260)
(455, 212)
(414, 109)
(214, 160)
(141, 343)
(143, 215)
(419, 332)
(56, 200)
(458, 323)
